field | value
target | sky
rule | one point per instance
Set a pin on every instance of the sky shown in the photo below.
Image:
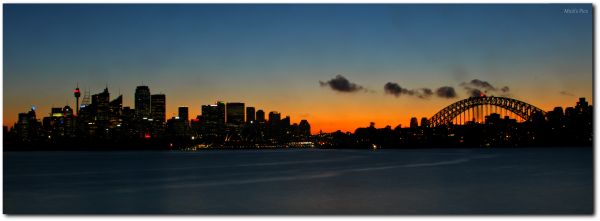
(338, 66)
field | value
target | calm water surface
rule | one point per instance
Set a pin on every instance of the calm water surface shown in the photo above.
(340, 182)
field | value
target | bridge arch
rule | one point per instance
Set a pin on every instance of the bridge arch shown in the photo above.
(517, 107)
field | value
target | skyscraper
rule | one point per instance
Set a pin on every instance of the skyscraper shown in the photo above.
(116, 108)
(260, 116)
(250, 114)
(221, 112)
(274, 117)
(235, 113)
(414, 123)
(142, 101)
(100, 104)
(27, 125)
(424, 122)
(158, 107)
(183, 113)
(213, 117)
(304, 128)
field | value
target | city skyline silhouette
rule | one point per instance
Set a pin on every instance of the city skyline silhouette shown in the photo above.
(298, 109)
(384, 70)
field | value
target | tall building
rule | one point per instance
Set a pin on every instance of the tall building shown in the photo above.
(221, 112)
(59, 123)
(213, 117)
(235, 113)
(142, 101)
(414, 123)
(304, 128)
(250, 114)
(274, 117)
(77, 94)
(260, 116)
(581, 105)
(424, 122)
(183, 113)
(101, 105)
(116, 110)
(158, 107)
(275, 130)
(27, 126)
(285, 122)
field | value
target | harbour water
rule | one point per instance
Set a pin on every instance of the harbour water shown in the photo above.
(302, 182)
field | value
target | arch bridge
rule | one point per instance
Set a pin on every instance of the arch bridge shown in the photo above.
(474, 108)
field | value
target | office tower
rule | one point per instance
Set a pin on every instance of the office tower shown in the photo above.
(221, 112)
(77, 94)
(142, 101)
(414, 123)
(260, 116)
(235, 113)
(214, 113)
(100, 105)
(581, 105)
(274, 117)
(116, 110)
(158, 107)
(27, 126)
(116, 106)
(183, 113)
(285, 122)
(177, 127)
(304, 128)
(250, 114)
(213, 117)
(424, 122)
(66, 126)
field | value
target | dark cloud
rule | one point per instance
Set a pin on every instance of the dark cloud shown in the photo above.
(482, 84)
(395, 89)
(476, 87)
(341, 84)
(446, 92)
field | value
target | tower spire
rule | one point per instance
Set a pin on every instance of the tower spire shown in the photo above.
(77, 94)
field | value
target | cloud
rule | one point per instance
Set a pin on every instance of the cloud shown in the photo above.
(476, 87)
(445, 92)
(425, 93)
(482, 84)
(341, 84)
(396, 90)
(566, 93)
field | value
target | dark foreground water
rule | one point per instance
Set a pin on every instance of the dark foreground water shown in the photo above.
(427, 181)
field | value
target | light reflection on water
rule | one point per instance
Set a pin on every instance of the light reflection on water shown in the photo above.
(309, 181)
